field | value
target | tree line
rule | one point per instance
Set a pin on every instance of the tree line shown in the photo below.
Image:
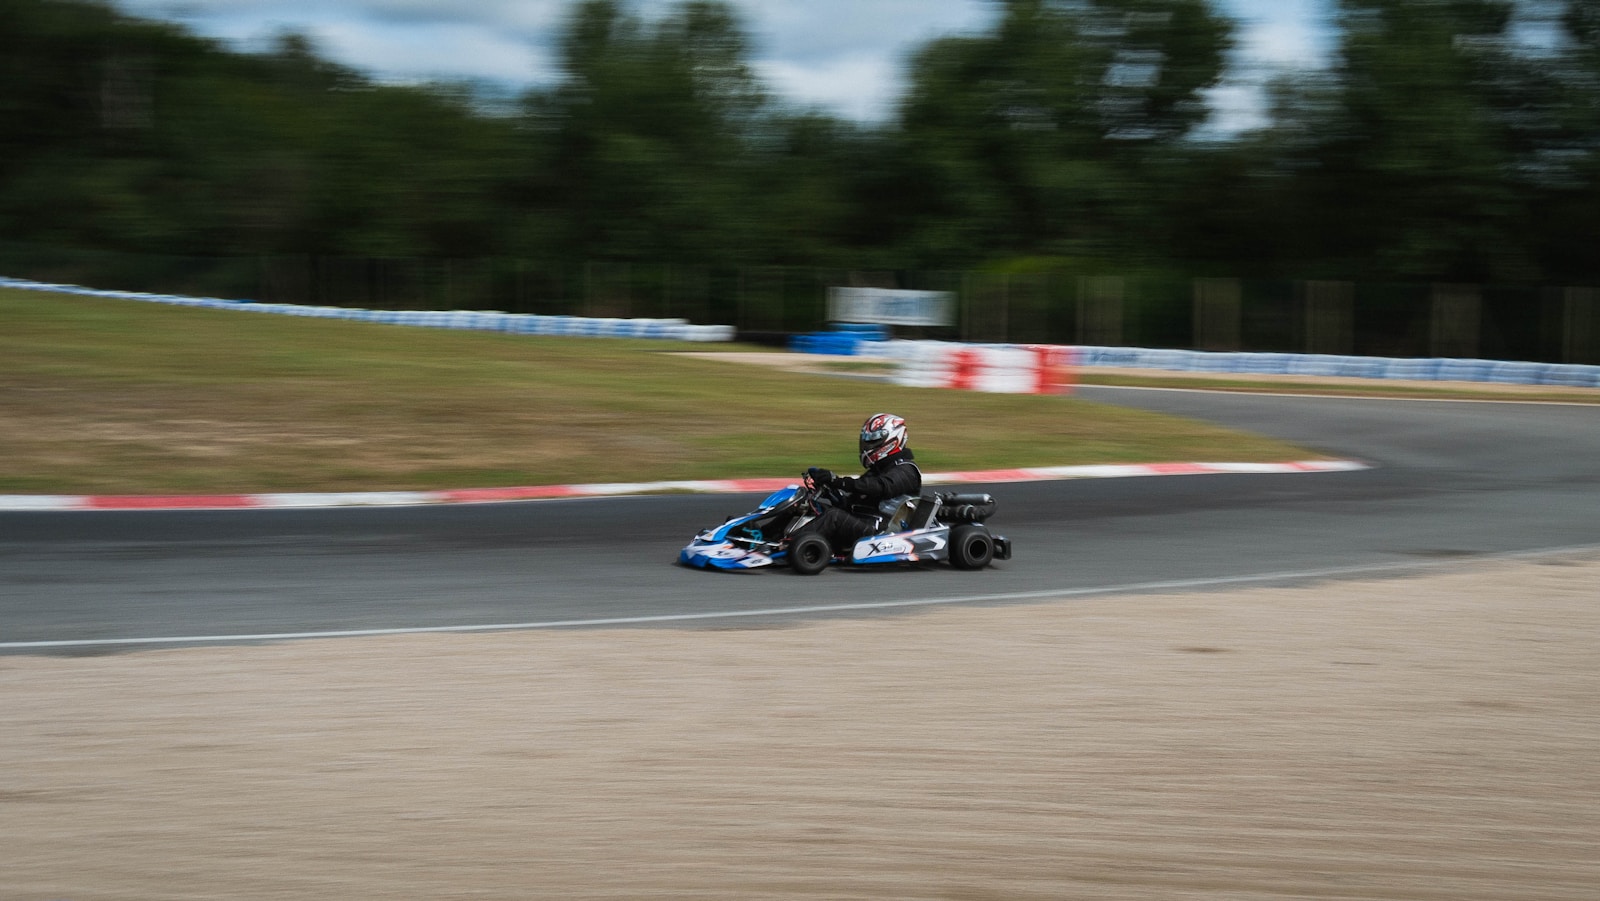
(1443, 144)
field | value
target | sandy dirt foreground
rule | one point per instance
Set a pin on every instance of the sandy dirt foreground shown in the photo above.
(1430, 737)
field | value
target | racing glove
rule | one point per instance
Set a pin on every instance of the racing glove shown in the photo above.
(822, 478)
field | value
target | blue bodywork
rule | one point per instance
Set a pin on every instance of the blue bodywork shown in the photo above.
(742, 542)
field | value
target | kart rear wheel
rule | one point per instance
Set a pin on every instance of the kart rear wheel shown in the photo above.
(809, 554)
(971, 547)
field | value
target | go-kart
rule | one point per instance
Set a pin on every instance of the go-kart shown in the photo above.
(928, 528)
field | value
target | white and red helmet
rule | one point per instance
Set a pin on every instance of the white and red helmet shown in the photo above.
(882, 435)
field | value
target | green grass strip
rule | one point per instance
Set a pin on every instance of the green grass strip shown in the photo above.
(108, 396)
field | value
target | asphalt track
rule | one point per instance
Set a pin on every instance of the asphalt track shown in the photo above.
(1450, 481)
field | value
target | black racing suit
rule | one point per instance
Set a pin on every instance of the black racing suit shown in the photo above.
(892, 476)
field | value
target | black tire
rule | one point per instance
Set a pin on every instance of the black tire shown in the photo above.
(809, 554)
(971, 547)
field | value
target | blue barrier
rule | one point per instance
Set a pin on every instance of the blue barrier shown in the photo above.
(1417, 370)
(476, 320)
(1335, 366)
(847, 339)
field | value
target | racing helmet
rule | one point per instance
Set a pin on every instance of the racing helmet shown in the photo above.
(882, 435)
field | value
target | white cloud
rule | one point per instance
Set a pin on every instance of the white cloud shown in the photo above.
(846, 56)
(443, 52)
(857, 87)
(522, 16)
(1236, 107)
(1281, 33)
(839, 28)
(1282, 44)
(1270, 36)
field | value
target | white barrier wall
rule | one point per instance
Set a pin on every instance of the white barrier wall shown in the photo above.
(1044, 369)
(514, 323)
(1328, 365)
(997, 368)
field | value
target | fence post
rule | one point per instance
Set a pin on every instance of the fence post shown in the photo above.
(1578, 343)
(664, 308)
(1455, 324)
(1329, 316)
(1216, 313)
(1005, 307)
(965, 331)
(588, 287)
(985, 312)
(1100, 310)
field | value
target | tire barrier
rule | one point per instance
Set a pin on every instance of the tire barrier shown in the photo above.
(1569, 375)
(995, 368)
(1047, 369)
(492, 321)
(847, 339)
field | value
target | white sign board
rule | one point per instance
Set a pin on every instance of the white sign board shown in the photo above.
(887, 306)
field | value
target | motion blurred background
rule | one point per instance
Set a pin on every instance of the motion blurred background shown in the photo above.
(1425, 181)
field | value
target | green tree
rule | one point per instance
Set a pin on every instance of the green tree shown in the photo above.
(1567, 212)
(1046, 135)
(1413, 170)
(645, 139)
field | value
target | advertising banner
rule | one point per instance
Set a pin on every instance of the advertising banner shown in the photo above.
(888, 306)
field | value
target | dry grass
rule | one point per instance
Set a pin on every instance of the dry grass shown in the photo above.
(102, 396)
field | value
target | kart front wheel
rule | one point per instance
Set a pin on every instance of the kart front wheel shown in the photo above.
(809, 554)
(971, 547)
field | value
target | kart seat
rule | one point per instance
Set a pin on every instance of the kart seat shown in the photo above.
(922, 512)
(896, 512)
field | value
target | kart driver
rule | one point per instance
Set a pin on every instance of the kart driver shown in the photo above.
(890, 473)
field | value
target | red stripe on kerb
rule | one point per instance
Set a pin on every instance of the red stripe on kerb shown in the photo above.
(998, 475)
(1178, 469)
(758, 484)
(480, 495)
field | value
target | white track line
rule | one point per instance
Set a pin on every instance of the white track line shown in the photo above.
(1134, 587)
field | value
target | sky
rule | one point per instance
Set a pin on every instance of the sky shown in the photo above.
(845, 57)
